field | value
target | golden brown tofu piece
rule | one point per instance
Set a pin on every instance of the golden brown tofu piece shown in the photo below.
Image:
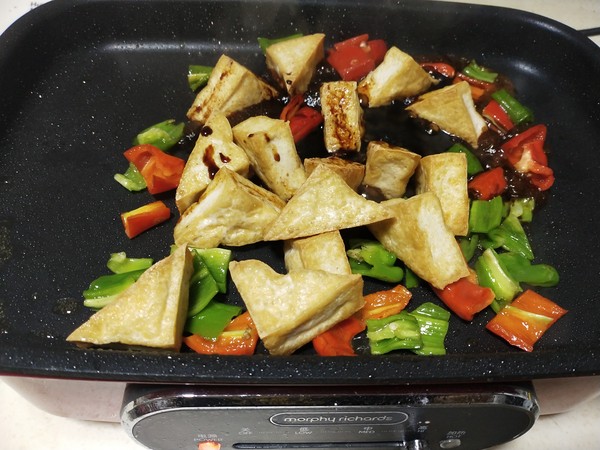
(398, 76)
(232, 211)
(418, 236)
(270, 146)
(324, 203)
(213, 149)
(389, 168)
(149, 313)
(445, 174)
(290, 310)
(293, 62)
(231, 87)
(320, 252)
(342, 116)
(352, 172)
(452, 109)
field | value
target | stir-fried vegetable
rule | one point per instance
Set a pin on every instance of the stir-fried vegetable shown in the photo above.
(466, 297)
(385, 303)
(160, 171)
(198, 76)
(238, 338)
(489, 184)
(422, 331)
(356, 57)
(145, 217)
(523, 322)
(371, 259)
(302, 119)
(163, 135)
(337, 341)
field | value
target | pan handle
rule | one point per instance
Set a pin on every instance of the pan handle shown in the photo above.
(589, 32)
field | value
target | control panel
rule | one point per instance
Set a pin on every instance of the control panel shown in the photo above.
(375, 417)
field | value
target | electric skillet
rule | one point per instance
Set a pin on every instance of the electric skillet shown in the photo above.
(78, 79)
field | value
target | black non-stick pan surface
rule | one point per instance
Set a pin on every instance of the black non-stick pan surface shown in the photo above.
(79, 79)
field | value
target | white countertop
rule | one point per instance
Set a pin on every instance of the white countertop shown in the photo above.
(24, 426)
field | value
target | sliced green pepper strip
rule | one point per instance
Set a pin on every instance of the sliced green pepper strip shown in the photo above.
(492, 273)
(411, 279)
(212, 320)
(120, 263)
(266, 42)
(163, 135)
(522, 270)
(517, 112)
(371, 259)
(217, 262)
(473, 164)
(485, 215)
(113, 284)
(132, 179)
(98, 303)
(522, 208)
(400, 331)
(474, 70)
(511, 236)
(198, 76)
(433, 323)
(468, 245)
(203, 287)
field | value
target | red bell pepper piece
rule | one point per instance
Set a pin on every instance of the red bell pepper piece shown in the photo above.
(488, 184)
(465, 297)
(144, 218)
(525, 152)
(385, 303)
(494, 112)
(337, 341)
(238, 338)
(444, 69)
(302, 119)
(523, 322)
(161, 171)
(356, 57)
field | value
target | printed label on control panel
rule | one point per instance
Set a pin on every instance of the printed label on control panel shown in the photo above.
(339, 418)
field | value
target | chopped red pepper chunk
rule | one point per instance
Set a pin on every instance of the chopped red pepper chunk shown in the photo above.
(356, 57)
(488, 184)
(238, 338)
(337, 341)
(465, 297)
(526, 153)
(494, 112)
(144, 218)
(385, 303)
(161, 171)
(444, 69)
(302, 119)
(526, 319)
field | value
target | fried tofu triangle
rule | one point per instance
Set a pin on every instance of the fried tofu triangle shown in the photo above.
(294, 61)
(232, 211)
(452, 109)
(324, 203)
(213, 149)
(321, 252)
(150, 313)
(230, 88)
(419, 236)
(398, 76)
(290, 310)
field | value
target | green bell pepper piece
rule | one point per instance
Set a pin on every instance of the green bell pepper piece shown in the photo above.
(212, 320)
(163, 135)
(522, 270)
(371, 259)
